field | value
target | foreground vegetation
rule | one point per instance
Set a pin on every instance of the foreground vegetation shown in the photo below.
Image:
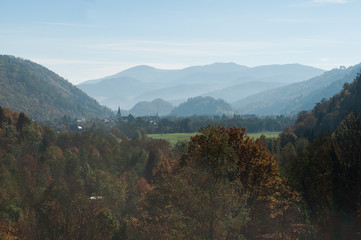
(321, 158)
(88, 185)
(222, 184)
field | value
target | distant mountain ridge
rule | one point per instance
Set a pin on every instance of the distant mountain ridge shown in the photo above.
(149, 83)
(40, 93)
(297, 97)
(232, 93)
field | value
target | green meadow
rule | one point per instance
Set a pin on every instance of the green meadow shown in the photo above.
(266, 134)
(173, 138)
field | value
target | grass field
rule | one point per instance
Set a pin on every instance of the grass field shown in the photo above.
(266, 134)
(173, 138)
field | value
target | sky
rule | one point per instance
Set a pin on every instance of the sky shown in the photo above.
(88, 39)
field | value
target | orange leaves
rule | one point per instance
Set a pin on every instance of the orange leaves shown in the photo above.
(231, 153)
(225, 185)
(7, 231)
(53, 152)
(143, 187)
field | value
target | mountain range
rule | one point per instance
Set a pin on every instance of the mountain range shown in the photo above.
(43, 95)
(267, 90)
(228, 81)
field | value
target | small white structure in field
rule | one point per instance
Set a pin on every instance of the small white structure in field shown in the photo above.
(96, 197)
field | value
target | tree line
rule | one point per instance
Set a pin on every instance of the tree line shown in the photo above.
(130, 126)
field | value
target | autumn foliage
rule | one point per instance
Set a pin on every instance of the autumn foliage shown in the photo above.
(225, 186)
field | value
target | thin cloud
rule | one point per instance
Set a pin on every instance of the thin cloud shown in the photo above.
(56, 61)
(313, 3)
(195, 49)
(330, 1)
(298, 20)
(65, 24)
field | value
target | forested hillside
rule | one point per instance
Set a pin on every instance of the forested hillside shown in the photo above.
(157, 107)
(321, 157)
(203, 106)
(43, 95)
(328, 114)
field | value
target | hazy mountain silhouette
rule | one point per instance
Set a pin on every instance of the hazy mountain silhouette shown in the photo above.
(145, 83)
(234, 92)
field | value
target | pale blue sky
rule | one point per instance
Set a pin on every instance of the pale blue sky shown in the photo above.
(88, 39)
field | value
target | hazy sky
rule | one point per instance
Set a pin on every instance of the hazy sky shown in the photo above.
(89, 39)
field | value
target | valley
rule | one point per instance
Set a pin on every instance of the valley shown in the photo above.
(180, 120)
(68, 161)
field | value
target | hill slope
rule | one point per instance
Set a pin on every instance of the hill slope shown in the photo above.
(155, 107)
(43, 95)
(297, 97)
(324, 118)
(320, 156)
(203, 106)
